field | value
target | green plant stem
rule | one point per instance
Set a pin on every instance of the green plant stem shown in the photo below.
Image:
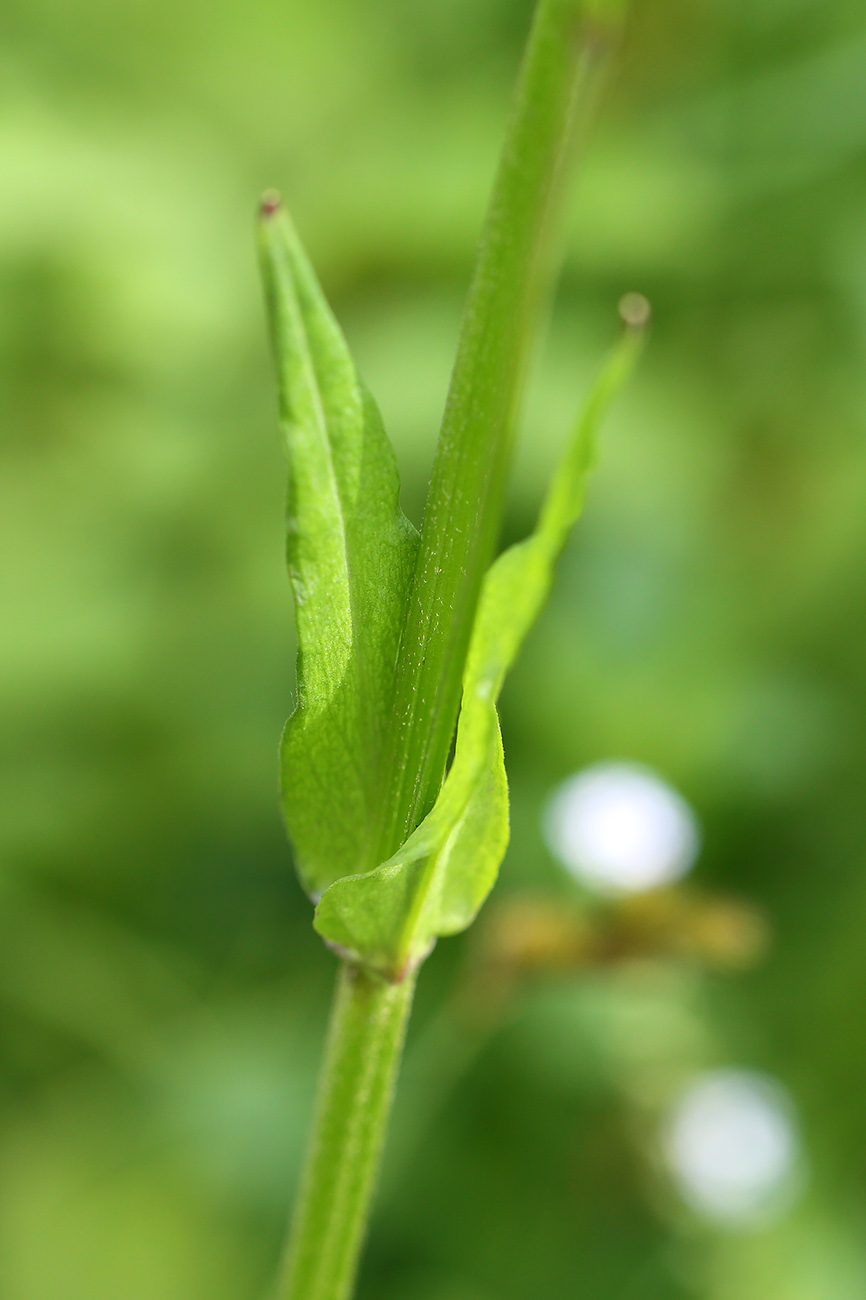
(560, 71)
(365, 1042)
(559, 74)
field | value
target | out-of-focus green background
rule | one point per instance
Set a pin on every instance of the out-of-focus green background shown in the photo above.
(163, 997)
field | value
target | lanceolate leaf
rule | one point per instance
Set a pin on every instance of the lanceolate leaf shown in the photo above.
(351, 554)
(434, 885)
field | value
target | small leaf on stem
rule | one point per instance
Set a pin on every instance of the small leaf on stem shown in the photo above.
(351, 554)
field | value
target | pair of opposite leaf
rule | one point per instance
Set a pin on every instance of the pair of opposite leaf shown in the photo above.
(351, 558)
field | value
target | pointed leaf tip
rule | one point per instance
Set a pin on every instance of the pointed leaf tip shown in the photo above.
(634, 310)
(271, 202)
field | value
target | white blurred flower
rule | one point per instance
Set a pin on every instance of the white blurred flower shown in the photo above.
(619, 828)
(732, 1146)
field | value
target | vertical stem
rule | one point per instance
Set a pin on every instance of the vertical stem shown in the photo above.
(566, 49)
(365, 1041)
(462, 519)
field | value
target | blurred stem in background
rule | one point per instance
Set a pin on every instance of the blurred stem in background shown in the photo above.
(567, 50)
(533, 939)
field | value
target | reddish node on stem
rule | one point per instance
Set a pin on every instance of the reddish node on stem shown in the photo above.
(271, 202)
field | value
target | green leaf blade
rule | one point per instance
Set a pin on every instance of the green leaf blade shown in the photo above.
(351, 554)
(437, 881)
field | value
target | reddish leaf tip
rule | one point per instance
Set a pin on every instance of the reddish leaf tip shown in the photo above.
(271, 203)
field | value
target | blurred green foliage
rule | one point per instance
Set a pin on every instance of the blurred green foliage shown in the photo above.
(163, 996)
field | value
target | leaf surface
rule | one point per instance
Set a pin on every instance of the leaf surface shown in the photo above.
(434, 885)
(351, 554)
